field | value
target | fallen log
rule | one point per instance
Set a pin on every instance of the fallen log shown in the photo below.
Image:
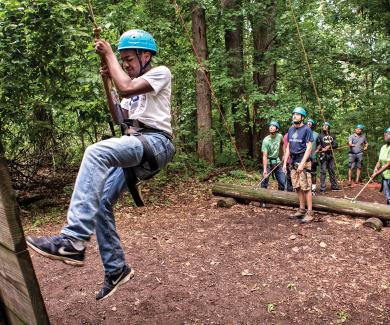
(226, 202)
(374, 223)
(339, 206)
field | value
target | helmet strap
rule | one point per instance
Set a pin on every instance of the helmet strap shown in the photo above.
(143, 66)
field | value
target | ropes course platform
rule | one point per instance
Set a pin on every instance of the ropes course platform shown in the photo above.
(21, 300)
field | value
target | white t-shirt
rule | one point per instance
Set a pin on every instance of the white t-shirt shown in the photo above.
(153, 108)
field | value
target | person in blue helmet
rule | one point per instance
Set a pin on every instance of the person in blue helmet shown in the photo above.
(383, 165)
(357, 145)
(299, 147)
(271, 149)
(146, 109)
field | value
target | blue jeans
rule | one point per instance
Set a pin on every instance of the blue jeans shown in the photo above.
(386, 189)
(99, 184)
(280, 177)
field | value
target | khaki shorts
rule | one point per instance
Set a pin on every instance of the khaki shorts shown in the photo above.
(302, 180)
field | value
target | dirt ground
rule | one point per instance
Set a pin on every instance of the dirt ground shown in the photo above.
(198, 264)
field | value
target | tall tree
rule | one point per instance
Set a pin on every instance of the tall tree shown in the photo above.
(233, 30)
(205, 148)
(264, 75)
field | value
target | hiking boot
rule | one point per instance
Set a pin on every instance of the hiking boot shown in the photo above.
(64, 248)
(323, 191)
(112, 282)
(336, 189)
(309, 217)
(297, 215)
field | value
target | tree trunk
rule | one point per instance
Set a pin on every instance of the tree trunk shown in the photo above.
(234, 51)
(205, 148)
(264, 75)
(341, 206)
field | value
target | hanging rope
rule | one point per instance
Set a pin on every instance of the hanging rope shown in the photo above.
(314, 86)
(203, 69)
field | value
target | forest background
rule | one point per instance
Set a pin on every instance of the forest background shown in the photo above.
(52, 103)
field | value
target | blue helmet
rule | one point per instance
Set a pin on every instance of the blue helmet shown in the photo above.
(359, 126)
(387, 130)
(300, 110)
(327, 123)
(275, 123)
(137, 39)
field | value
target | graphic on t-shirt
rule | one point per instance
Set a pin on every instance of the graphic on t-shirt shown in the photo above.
(294, 137)
(328, 139)
(135, 105)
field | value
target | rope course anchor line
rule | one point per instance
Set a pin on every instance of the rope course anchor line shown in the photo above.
(314, 87)
(213, 95)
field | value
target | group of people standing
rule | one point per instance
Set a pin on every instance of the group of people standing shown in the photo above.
(303, 149)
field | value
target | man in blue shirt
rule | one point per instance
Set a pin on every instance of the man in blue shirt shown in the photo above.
(300, 142)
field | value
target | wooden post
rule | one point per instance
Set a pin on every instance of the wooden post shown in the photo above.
(21, 300)
(320, 203)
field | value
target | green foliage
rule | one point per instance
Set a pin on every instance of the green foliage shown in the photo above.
(342, 316)
(189, 166)
(52, 104)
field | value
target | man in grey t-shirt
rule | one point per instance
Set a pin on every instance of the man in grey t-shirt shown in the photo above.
(357, 144)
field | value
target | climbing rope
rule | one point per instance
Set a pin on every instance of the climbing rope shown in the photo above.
(203, 69)
(314, 86)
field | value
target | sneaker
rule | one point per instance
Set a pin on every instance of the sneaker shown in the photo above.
(64, 248)
(297, 215)
(313, 193)
(309, 217)
(112, 282)
(323, 191)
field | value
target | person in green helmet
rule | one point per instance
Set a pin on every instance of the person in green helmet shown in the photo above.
(271, 148)
(357, 145)
(326, 143)
(383, 165)
(300, 143)
(147, 141)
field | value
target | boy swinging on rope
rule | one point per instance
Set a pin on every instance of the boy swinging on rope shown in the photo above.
(101, 180)
(300, 142)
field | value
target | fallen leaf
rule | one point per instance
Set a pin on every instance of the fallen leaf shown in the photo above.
(113, 308)
(292, 237)
(246, 273)
(323, 245)
(255, 288)
(295, 249)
